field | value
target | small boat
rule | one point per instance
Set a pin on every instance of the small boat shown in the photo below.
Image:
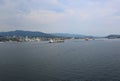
(55, 41)
(51, 41)
(86, 39)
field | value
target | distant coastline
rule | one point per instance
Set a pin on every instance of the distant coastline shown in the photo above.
(29, 36)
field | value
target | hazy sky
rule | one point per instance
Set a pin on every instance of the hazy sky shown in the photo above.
(87, 17)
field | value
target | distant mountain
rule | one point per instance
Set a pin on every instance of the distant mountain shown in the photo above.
(71, 35)
(25, 33)
(41, 34)
(113, 36)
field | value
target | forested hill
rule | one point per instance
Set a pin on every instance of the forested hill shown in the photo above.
(25, 33)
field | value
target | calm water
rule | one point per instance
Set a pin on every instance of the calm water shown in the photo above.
(73, 60)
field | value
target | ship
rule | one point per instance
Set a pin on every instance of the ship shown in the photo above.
(55, 41)
(86, 39)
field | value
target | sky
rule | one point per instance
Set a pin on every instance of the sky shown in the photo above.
(86, 17)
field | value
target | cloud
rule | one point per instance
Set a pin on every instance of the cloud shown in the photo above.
(44, 16)
(74, 16)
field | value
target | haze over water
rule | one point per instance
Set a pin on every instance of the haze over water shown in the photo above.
(73, 60)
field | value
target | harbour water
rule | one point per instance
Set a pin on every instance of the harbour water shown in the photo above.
(72, 60)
